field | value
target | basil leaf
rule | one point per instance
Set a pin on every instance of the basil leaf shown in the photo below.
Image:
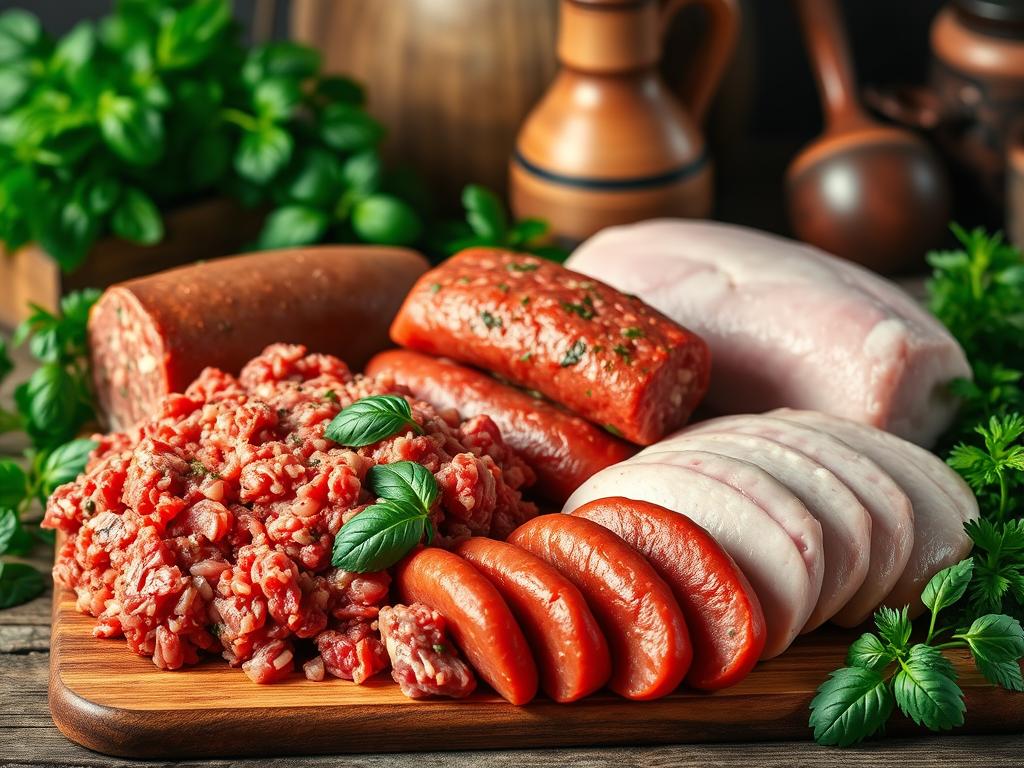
(362, 174)
(48, 402)
(485, 213)
(19, 583)
(995, 638)
(262, 153)
(133, 131)
(948, 585)
(404, 482)
(851, 705)
(378, 537)
(894, 626)
(926, 690)
(20, 33)
(65, 230)
(347, 128)
(76, 49)
(280, 59)
(276, 99)
(14, 83)
(1005, 674)
(868, 652)
(209, 159)
(63, 464)
(13, 484)
(190, 35)
(370, 420)
(317, 180)
(525, 231)
(293, 225)
(386, 220)
(14, 539)
(137, 219)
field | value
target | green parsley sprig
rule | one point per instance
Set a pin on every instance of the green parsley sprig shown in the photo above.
(886, 671)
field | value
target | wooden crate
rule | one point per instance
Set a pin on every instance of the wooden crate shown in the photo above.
(204, 230)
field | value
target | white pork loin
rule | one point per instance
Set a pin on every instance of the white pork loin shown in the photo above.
(788, 325)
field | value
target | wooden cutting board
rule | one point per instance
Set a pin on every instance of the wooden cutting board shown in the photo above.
(110, 700)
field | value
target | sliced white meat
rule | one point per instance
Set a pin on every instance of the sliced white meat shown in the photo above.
(939, 536)
(845, 523)
(764, 551)
(892, 516)
(940, 473)
(788, 325)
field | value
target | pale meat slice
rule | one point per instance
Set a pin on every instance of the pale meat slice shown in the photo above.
(939, 536)
(764, 551)
(788, 325)
(845, 523)
(892, 516)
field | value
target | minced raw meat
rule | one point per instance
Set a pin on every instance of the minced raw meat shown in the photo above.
(423, 662)
(210, 527)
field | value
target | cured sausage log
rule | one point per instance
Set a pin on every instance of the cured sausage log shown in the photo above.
(562, 448)
(480, 621)
(644, 624)
(153, 335)
(571, 651)
(603, 354)
(723, 615)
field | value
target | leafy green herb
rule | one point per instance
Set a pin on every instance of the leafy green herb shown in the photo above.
(378, 537)
(574, 354)
(19, 583)
(160, 103)
(370, 420)
(584, 310)
(491, 321)
(404, 482)
(487, 225)
(885, 670)
(632, 332)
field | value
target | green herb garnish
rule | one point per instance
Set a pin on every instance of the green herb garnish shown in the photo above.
(382, 534)
(886, 671)
(370, 420)
(491, 321)
(584, 310)
(574, 354)
(632, 332)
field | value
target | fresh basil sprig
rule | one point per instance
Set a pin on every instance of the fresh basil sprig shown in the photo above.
(886, 671)
(19, 583)
(370, 420)
(380, 535)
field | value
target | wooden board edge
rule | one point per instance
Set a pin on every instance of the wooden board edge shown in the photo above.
(449, 725)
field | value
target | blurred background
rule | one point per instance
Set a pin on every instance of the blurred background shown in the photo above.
(766, 110)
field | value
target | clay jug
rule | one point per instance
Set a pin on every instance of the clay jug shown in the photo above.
(608, 143)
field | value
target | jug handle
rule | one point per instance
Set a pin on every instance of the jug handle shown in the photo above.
(704, 74)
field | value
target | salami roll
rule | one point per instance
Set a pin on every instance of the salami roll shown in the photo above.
(153, 335)
(562, 448)
(605, 355)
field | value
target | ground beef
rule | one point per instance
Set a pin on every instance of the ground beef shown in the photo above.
(210, 527)
(423, 661)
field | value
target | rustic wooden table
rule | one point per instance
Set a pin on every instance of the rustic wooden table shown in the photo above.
(28, 736)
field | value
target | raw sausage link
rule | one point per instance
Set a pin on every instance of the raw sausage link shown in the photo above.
(479, 619)
(571, 651)
(722, 612)
(562, 448)
(644, 624)
(152, 336)
(603, 354)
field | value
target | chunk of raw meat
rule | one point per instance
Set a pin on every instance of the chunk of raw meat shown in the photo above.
(423, 661)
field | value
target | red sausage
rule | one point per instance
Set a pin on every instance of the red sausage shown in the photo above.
(722, 612)
(643, 623)
(480, 621)
(570, 649)
(605, 355)
(152, 336)
(562, 448)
